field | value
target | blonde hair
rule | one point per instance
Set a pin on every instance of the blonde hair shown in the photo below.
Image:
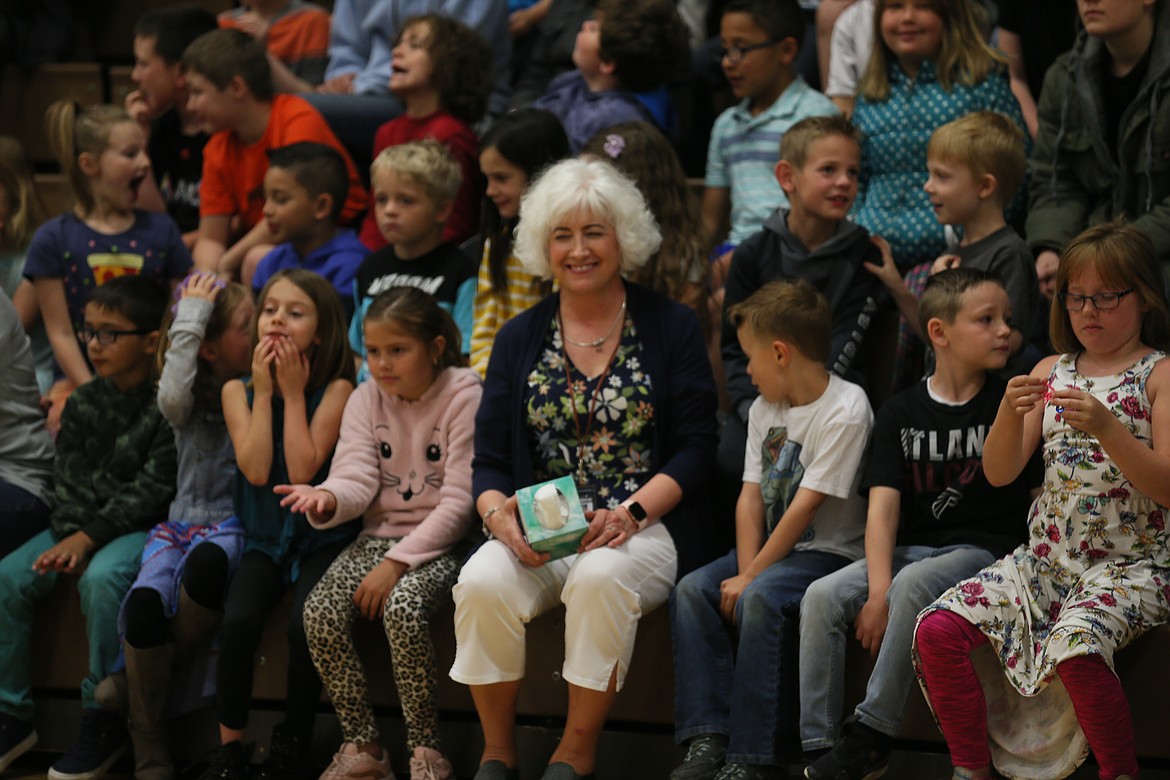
(72, 132)
(796, 141)
(964, 57)
(789, 310)
(26, 210)
(1123, 259)
(986, 142)
(427, 162)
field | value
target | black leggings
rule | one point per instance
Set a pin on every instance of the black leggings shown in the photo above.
(205, 580)
(255, 591)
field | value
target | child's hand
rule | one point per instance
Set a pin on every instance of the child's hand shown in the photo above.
(729, 592)
(370, 596)
(1083, 412)
(202, 285)
(720, 267)
(1023, 393)
(253, 25)
(138, 108)
(319, 505)
(262, 359)
(292, 368)
(871, 624)
(69, 556)
(945, 263)
(888, 271)
(338, 85)
(1046, 265)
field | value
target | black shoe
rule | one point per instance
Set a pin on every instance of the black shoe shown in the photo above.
(704, 758)
(862, 754)
(16, 737)
(229, 762)
(290, 757)
(101, 740)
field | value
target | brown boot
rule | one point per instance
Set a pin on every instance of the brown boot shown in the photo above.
(148, 673)
(192, 622)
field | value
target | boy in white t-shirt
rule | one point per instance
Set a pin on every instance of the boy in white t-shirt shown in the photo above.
(798, 518)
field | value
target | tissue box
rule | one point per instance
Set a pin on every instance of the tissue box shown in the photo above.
(553, 521)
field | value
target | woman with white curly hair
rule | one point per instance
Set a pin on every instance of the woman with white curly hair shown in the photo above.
(610, 383)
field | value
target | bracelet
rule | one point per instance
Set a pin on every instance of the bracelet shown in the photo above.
(487, 531)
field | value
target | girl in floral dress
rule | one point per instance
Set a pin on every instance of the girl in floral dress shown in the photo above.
(1095, 571)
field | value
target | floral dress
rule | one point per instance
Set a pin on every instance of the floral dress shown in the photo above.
(617, 442)
(1092, 577)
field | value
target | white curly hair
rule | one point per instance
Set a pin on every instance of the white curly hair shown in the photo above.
(593, 186)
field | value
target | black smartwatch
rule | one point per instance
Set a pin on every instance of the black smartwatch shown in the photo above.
(637, 512)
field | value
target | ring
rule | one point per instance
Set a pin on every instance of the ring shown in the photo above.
(613, 528)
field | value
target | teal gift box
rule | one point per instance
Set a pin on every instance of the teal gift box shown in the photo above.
(552, 516)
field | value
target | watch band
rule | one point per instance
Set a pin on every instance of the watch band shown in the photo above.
(637, 513)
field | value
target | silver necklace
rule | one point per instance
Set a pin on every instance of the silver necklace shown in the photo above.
(596, 344)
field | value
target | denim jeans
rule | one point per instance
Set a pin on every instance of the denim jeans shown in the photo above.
(103, 584)
(740, 689)
(921, 574)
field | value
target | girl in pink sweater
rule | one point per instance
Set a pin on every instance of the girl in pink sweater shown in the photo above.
(403, 464)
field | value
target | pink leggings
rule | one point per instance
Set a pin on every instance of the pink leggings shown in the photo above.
(944, 642)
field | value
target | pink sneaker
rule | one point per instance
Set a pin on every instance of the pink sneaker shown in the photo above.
(430, 764)
(349, 762)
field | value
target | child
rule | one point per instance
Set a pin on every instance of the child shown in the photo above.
(404, 465)
(918, 78)
(283, 423)
(759, 41)
(103, 153)
(171, 606)
(519, 145)
(1091, 577)
(440, 103)
(109, 490)
(304, 192)
(679, 269)
(933, 519)
(230, 85)
(975, 164)
(414, 189)
(1098, 141)
(799, 517)
(26, 454)
(624, 56)
(296, 35)
(175, 137)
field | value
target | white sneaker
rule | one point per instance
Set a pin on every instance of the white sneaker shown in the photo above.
(349, 762)
(430, 764)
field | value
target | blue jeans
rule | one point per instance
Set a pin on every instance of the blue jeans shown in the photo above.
(742, 690)
(22, 516)
(830, 606)
(102, 586)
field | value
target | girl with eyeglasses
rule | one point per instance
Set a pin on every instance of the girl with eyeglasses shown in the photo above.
(1095, 571)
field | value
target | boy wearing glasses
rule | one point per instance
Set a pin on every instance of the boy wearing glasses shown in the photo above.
(114, 476)
(759, 42)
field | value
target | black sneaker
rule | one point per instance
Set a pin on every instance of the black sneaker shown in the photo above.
(862, 754)
(100, 742)
(16, 737)
(704, 758)
(229, 762)
(290, 757)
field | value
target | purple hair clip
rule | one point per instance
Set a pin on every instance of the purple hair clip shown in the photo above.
(614, 145)
(177, 294)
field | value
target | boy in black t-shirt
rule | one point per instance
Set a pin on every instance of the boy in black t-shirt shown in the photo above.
(933, 520)
(175, 140)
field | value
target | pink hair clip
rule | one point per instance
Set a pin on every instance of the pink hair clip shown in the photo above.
(614, 145)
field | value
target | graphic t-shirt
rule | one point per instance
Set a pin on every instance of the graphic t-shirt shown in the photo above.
(177, 160)
(68, 249)
(932, 453)
(819, 446)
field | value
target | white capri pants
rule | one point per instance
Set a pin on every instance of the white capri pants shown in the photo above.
(605, 592)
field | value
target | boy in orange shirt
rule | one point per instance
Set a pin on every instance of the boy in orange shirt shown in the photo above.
(230, 87)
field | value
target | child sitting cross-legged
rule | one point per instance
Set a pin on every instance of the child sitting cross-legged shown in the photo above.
(799, 517)
(933, 519)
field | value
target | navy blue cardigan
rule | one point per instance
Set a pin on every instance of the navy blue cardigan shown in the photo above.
(683, 394)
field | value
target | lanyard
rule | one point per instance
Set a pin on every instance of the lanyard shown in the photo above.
(582, 440)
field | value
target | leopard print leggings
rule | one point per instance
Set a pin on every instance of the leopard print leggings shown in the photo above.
(329, 616)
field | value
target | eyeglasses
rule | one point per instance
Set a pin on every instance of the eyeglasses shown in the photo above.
(1101, 301)
(735, 54)
(106, 337)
